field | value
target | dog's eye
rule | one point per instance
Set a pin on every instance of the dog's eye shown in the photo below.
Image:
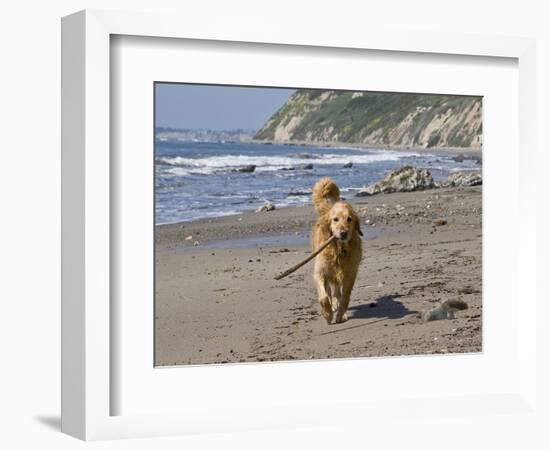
(335, 219)
(349, 219)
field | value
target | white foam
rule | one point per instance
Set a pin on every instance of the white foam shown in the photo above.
(212, 164)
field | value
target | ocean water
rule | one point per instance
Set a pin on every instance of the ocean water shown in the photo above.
(195, 180)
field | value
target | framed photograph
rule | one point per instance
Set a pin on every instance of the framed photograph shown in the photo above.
(246, 176)
(264, 229)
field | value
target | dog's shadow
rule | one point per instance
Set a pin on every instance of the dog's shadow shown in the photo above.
(383, 307)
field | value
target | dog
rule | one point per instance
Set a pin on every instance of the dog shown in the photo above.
(337, 265)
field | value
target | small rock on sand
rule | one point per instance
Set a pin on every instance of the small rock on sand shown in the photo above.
(445, 310)
(267, 207)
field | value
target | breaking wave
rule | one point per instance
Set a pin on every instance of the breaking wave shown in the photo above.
(212, 164)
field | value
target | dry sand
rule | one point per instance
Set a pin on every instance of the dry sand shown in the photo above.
(217, 301)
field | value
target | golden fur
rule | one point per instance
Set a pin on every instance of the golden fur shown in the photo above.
(336, 266)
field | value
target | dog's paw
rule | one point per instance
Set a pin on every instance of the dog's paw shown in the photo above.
(341, 317)
(326, 309)
(327, 315)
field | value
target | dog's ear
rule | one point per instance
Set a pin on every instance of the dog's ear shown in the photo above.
(324, 226)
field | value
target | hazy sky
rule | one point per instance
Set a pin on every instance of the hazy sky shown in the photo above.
(216, 107)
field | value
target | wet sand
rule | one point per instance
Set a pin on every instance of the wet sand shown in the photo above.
(217, 301)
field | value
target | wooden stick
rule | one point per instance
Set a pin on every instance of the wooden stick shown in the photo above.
(308, 259)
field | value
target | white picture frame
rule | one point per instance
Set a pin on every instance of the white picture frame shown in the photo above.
(88, 330)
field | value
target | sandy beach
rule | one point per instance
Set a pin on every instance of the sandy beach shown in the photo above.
(217, 301)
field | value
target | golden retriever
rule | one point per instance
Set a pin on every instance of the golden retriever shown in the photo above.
(336, 266)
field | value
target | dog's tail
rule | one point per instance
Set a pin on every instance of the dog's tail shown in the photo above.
(325, 194)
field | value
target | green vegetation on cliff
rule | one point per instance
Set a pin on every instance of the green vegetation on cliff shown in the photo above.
(373, 118)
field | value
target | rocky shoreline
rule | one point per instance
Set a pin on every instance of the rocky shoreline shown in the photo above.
(409, 179)
(299, 219)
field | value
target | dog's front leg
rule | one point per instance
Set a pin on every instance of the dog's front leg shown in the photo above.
(341, 313)
(336, 298)
(324, 296)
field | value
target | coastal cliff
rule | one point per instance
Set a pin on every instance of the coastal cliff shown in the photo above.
(376, 119)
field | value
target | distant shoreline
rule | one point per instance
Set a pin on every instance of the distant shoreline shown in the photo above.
(434, 150)
(336, 144)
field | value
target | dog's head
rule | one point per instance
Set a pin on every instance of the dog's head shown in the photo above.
(343, 221)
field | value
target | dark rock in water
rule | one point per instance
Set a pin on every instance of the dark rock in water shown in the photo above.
(459, 158)
(266, 208)
(306, 156)
(476, 158)
(347, 165)
(463, 179)
(245, 169)
(298, 193)
(303, 167)
(404, 179)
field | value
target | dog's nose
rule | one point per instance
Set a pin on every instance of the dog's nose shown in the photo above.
(343, 235)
